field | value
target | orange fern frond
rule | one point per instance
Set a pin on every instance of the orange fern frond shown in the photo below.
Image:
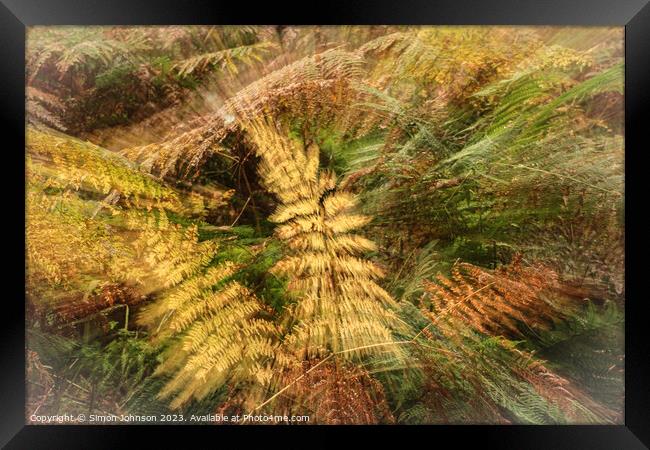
(499, 302)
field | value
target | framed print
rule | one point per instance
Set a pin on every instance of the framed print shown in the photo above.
(380, 217)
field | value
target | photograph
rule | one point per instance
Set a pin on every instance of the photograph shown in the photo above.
(324, 225)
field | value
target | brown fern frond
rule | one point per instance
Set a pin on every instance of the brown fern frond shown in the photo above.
(333, 393)
(499, 302)
(183, 155)
(43, 108)
(576, 405)
(315, 89)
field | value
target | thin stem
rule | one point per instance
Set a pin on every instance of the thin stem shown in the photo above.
(241, 212)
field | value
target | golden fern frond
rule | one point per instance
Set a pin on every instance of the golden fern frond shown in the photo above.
(79, 245)
(63, 242)
(229, 340)
(216, 325)
(220, 334)
(169, 252)
(69, 163)
(185, 294)
(340, 308)
(78, 262)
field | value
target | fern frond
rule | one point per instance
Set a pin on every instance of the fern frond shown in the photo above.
(497, 303)
(80, 165)
(43, 108)
(217, 327)
(339, 308)
(221, 336)
(183, 155)
(227, 58)
(334, 394)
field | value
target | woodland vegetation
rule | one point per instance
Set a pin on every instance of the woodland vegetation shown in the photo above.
(414, 225)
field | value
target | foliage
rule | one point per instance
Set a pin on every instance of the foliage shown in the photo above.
(336, 394)
(107, 75)
(218, 324)
(84, 378)
(377, 224)
(498, 303)
(340, 308)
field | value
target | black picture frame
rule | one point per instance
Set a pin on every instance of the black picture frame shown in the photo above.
(15, 15)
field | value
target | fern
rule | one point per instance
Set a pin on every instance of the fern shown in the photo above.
(217, 328)
(319, 95)
(87, 378)
(500, 303)
(471, 378)
(340, 308)
(75, 264)
(334, 394)
(227, 216)
(83, 165)
(226, 59)
(183, 155)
